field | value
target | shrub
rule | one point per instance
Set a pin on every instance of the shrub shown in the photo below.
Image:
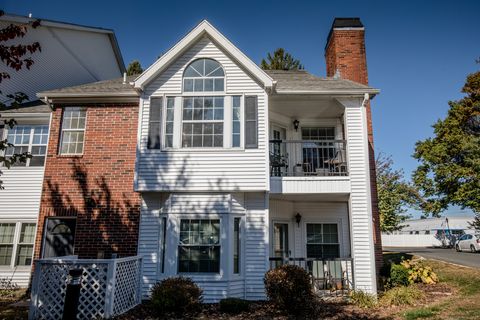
(398, 275)
(176, 295)
(401, 296)
(418, 272)
(363, 299)
(233, 305)
(289, 288)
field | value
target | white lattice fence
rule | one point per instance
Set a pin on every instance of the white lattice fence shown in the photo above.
(109, 287)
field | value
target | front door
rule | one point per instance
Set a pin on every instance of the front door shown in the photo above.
(59, 237)
(280, 240)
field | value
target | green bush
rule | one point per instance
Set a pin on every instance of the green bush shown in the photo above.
(419, 272)
(401, 296)
(289, 288)
(398, 276)
(363, 299)
(176, 295)
(233, 305)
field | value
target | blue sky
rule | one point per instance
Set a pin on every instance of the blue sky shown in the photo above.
(418, 52)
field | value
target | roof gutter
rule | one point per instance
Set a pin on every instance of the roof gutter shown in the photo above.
(360, 92)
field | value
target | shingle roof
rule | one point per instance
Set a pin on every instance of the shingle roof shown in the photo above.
(36, 106)
(114, 87)
(302, 81)
(287, 81)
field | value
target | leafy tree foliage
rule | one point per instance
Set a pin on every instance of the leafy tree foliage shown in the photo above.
(449, 170)
(281, 60)
(394, 194)
(134, 68)
(14, 56)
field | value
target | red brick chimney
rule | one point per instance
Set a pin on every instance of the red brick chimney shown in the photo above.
(346, 58)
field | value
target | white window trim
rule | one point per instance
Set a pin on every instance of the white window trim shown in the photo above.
(242, 238)
(16, 239)
(62, 130)
(312, 220)
(30, 145)
(291, 236)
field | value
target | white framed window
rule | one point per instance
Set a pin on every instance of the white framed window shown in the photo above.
(204, 75)
(237, 244)
(16, 243)
(322, 240)
(236, 122)
(73, 131)
(28, 138)
(199, 246)
(169, 122)
(202, 123)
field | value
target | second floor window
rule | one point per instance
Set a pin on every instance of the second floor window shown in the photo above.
(73, 131)
(28, 138)
(204, 75)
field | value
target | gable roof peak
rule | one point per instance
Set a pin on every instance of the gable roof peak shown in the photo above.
(204, 27)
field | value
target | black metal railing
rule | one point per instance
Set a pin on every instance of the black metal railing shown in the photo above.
(330, 276)
(308, 158)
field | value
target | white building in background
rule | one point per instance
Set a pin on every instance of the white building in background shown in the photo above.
(431, 232)
(70, 55)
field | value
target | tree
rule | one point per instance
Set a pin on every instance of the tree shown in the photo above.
(280, 60)
(134, 68)
(449, 170)
(394, 194)
(14, 56)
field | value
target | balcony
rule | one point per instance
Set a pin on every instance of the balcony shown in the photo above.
(297, 166)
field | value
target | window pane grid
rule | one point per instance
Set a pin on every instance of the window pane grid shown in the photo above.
(199, 246)
(322, 240)
(236, 121)
(31, 138)
(204, 75)
(24, 248)
(236, 245)
(73, 131)
(169, 122)
(203, 122)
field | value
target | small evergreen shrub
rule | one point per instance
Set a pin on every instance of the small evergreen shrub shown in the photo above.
(176, 295)
(363, 299)
(233, 305)
(289, 288)
(398, 276)
(401, 296)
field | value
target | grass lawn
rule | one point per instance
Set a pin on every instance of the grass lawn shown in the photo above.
(464, 304)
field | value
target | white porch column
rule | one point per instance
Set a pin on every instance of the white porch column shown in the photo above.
(360, 202)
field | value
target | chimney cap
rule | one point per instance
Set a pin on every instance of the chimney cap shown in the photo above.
(339, 23)
(347, 23)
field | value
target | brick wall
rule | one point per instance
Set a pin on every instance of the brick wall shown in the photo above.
(345, 52)
(96, 187)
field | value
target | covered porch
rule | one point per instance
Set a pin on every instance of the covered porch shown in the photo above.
(313, 232)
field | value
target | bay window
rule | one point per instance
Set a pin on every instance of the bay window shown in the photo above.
(199, 246)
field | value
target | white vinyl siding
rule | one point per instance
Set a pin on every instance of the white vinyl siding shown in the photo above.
(223, 207)
(226, 169)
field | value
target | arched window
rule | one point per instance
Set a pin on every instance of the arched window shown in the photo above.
(204, 75)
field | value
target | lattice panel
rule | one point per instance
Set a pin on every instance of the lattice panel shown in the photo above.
(92, 295)
(127, 290)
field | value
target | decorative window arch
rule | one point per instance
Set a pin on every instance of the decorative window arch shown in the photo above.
(204, 75)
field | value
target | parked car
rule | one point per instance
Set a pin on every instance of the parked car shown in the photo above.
(468, 242)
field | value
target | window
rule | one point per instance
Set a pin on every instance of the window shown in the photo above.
(322, 240)
(73, 131)
(320, 154)
(59, 237)
(16, 243)
(204, 75)
(321, 133)
(280, 240)
(202, 122)
(251, 122)
(236, 245)
(155, 120)
(28, 138)
(169, 122)
(199, 246)
(236, 121)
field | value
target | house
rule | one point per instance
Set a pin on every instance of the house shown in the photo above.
(212, 168)
(71, 55)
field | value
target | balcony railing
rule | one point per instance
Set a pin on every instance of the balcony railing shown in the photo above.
(308, 158)
(330, 276)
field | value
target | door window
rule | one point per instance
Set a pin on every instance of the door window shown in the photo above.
(280, 240)
(59, 237)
